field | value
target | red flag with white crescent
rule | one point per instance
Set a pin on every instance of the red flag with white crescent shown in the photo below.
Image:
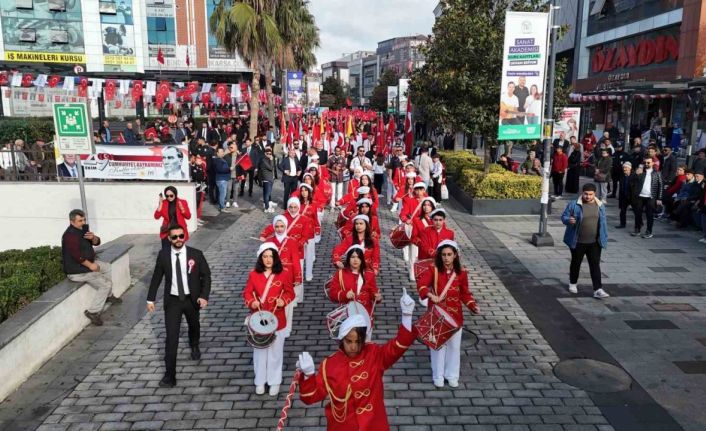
(408, 132)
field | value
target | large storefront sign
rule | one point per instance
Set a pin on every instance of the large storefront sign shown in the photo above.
(34, 34)
(118, 37)
(522, 85)
(654, 49)
(138, 162)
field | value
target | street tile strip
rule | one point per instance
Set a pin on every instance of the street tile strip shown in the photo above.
(672, 307)
(651, 324)
(691, 367)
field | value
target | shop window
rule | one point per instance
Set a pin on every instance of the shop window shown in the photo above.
(59, 36)
(24, 4)
(107, 8)
(160, 24)
(28, 35)
(57, 5)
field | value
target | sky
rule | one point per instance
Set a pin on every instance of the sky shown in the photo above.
(357, 25)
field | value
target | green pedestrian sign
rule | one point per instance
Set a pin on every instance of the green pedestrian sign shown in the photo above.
(73, 128)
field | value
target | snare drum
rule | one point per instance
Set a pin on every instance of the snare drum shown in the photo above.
(336, 317)
(422, 266)
(401, 235)
(436, 327)
(261, 329)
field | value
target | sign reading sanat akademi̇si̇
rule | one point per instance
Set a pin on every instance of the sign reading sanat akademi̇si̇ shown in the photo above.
(522, 86)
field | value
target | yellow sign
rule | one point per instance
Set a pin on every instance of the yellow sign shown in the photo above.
(45, 57)
(118, 59)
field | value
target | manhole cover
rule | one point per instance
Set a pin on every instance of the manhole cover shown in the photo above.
(592, 376)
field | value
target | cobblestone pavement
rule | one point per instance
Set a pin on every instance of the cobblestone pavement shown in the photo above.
(506, 378)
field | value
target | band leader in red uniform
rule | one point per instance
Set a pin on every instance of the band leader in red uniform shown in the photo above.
(351, 378)
(431, 236)
(362, 235)
(354, 282)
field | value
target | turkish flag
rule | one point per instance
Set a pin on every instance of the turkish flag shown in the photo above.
(244, 162)
(110, 89)
(160, 56)
(136, 90)
(150, 133)
(53, 81)
(408, 132)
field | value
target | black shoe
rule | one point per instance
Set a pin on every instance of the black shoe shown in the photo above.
(114, 300)
(240, 194)
(636, 232)
(647, 235)
(620, 226)
(95, 318)
(195, 353)
(167, 382)
(611, 196)
(249, 194)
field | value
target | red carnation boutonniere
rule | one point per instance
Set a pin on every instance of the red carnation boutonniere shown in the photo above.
(191, 264)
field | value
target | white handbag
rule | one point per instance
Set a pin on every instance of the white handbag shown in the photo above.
(444, 192)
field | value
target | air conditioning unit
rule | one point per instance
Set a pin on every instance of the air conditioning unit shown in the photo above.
(57, 5)
(107, 7)
(28, 35)
(59, 36)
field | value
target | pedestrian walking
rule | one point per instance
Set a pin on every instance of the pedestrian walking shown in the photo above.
(291, 172)
(604, 167)
(574, 168)
(80, 264)
(560, 163)
(437, 172)
(266, 175)
(336, 165)
(186, 289)
(222, 172)
(586, 235)
(626, 191)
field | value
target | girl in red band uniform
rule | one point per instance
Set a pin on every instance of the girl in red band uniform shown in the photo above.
(365, 208)
(362, 235)
(431, 236)
(309, 209)
(269, 288)
(446, 285)
(354, 282)
(411, 207)
(351, 378)
(351, 210)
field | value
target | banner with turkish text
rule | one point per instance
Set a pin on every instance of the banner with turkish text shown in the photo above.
(138, 162)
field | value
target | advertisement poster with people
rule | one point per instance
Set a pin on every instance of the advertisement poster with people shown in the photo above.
(296, 95)
(569, 122)
(118, 35)
(522, 85)
(131, 162)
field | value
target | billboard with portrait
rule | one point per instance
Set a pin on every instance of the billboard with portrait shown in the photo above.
(138, 162)
(118, 35)
(296, 95)
(569, 122)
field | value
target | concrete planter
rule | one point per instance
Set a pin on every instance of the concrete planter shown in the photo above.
(485, 207)
(32, 336)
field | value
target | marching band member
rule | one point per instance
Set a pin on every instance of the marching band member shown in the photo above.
(352, 377)
(351, 209)
(364, 207)
(365, 180)
(397, 177)
(354, 182)
(447, 286)
(431, 236)
(411, 205)
(354, 282)
(269, 288)
(308, 208)
(361, 235)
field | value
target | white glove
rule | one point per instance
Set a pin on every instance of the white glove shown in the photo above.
(406, 303)
(306, 364)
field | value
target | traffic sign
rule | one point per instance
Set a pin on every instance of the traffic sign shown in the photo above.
(73, 128)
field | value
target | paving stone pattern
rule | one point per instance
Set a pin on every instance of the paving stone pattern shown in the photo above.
(506, 378)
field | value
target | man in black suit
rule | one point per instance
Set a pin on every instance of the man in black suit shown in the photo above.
(291, 170)
(202, 133)
(252, 152)
(186, 289)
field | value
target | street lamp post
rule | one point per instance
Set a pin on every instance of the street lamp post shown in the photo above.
(544, 238)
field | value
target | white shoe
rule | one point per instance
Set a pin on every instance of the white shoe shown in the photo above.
(453, 383)
(439, 383)
(227, 204)
(309, 277)
(702, 240)
(235, 204)
(573, 288)
(274, 390)
(260, 389)
(600, 294)
(199, 222)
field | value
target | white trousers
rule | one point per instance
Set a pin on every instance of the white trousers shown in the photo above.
(413, 250)
(319, 214)
(446, 362)
(299, 291)
(309, 255)
(268, 362)
(337, 193)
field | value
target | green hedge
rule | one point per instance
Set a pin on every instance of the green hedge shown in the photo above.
(467, 169)
(25, 275)
(27, 129)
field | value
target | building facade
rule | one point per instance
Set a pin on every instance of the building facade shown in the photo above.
(401, 54)
(640, 66)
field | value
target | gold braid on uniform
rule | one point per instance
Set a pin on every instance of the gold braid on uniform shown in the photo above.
(339, 413)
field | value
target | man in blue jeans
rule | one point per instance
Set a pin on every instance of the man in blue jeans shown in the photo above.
(222, 171)
(586, 235)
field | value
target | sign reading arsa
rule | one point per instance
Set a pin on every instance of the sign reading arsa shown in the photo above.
(650, 50)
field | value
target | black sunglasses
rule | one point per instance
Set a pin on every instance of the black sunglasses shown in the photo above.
(170, 196)
(180, 236)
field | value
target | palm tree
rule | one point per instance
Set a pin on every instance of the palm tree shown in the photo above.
(300, 37)
(248, 28)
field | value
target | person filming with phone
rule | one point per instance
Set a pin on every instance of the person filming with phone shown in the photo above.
(81, 265)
